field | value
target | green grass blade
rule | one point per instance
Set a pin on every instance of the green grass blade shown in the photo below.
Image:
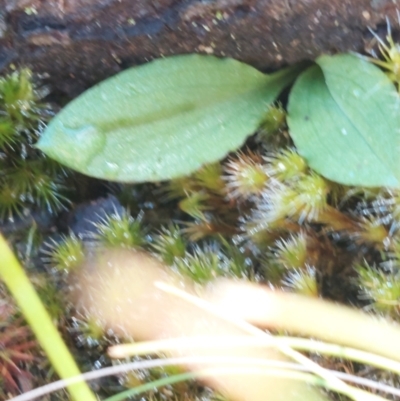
(40, 322)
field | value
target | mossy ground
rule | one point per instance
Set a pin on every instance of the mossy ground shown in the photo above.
(261, 215)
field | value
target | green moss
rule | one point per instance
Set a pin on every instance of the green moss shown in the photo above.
(260, 214)
(27, 178)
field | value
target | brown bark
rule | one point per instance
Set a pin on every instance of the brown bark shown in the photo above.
(75, 43)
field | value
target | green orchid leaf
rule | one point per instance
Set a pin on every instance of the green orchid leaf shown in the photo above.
(162, 120)
(344, 117)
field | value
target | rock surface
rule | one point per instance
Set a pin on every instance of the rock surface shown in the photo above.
(76, 43)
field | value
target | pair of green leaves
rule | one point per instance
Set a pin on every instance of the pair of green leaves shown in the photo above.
(169, 117)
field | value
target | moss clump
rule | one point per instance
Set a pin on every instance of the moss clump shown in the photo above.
(27, 178)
